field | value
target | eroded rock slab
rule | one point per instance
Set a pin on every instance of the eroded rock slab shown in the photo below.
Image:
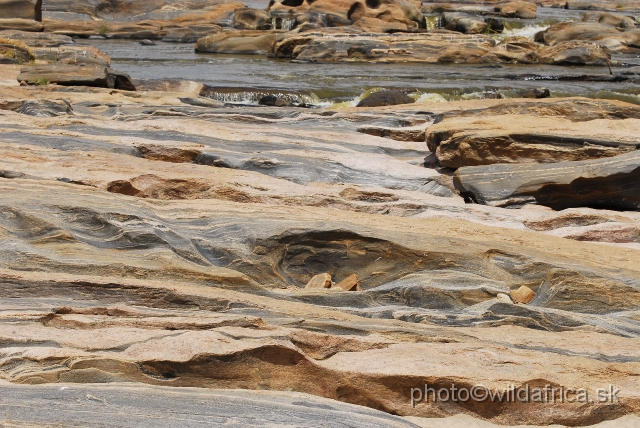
(472, 141)
(77, 75)
(610, 183)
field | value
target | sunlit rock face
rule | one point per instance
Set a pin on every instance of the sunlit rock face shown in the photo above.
(231, 248)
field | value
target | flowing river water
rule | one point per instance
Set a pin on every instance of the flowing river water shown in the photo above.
(243, 79)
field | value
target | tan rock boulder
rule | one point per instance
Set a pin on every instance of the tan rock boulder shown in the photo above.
(244, 42)
(513, 50)
(594, 32)
(523, 295)
(575, 53)
(23, 9)
(612, 19)
(322, 280)
(375, 25)
(518, 9)
(247, 18)
(467, 141)
(394, 12)
(350, 283)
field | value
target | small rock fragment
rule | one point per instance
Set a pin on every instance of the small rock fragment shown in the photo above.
(523, 295)
(322, 280)
(350, 283)
(503, 298)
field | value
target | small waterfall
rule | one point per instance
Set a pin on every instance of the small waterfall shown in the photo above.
(282, 23)
(252, 97)
(288, 23)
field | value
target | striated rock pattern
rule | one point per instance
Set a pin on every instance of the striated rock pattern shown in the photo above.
(433, 47)
(610, 31)
(605, 183)
(155, 241)
(524, 138)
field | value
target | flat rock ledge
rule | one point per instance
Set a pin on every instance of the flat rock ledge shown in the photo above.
(612, 183)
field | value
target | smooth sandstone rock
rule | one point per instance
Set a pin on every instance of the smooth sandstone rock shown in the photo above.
(464, 23)
(396, 13)
(20, 24)
(251, 19)
(322, 280)
(350, 283)
(523, 295)
(610, 183)
(518, 9)
(189, 273)
(467, 141)
(243, 42)
(604, 35)
(504, 298)
(613, 19)
(21, 9)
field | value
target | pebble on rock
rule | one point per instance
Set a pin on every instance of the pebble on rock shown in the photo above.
(322, 280)
(523, 295)
(504, 298)
(350, 283)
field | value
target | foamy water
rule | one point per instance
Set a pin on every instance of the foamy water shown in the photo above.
(529, 31)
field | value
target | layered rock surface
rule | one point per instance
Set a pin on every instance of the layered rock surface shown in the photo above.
(149, 238)
(524, 138)
(433, 47)
(605, 183)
